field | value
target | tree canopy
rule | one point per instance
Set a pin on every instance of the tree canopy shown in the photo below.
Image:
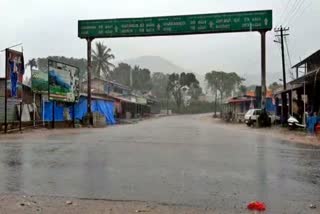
(137, 78)
(275, 86)
(177, 84)
(159, 84)
(101, 58)
(80, 63)
(223, 83)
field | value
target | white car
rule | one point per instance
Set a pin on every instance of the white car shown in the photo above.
(251, 116)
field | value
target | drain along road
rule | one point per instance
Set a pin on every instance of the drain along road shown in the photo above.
(189, 161)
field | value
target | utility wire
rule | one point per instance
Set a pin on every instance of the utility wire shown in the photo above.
(285, 40)
(283, 14)
(294, 12)
(307, 6)
(291, 10)
(289, 58)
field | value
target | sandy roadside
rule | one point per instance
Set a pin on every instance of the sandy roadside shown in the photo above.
(16, 204)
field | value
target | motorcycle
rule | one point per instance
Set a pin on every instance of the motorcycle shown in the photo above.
(293, 123)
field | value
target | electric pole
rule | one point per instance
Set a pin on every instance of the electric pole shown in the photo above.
(284, 110)
(282, 35)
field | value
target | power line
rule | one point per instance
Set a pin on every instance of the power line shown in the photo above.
(285, 40)
(283, 15)
(11, 47)
(290, 10)
(302, 11)
(294, 12)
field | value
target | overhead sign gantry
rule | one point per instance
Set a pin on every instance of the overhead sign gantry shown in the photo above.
(247, 21)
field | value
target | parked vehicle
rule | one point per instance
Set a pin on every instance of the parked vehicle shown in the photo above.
(294, 123)
(274, 118)
(252, 116)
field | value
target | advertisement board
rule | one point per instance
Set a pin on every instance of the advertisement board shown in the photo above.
(39, 81)
(14, 73)
(64, 83)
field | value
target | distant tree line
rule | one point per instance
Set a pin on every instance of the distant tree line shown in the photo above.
(173, 88)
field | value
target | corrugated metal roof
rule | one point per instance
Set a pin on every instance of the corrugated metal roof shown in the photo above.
(314, 55)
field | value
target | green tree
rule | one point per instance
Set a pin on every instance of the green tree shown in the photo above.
(32, 63)
(275, 86)
(77, 62)
(141, 79)
(121, 74)
(222, 83)
(137, 78)
(176, 84)
(213, 83)
(242, 90)
(101, 58)
(159, 85)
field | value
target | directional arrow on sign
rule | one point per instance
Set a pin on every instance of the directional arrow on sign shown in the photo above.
(211, 24)
(159, 26)
(266, 21)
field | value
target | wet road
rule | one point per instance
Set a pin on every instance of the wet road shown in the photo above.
(181, 160)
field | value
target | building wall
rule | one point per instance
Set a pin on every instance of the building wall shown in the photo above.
(12, 114)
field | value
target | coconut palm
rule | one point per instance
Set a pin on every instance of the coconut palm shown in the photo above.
(32, 63)
(101, 58)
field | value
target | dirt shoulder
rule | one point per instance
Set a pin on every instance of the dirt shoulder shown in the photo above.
(279, 132)
(16, 204)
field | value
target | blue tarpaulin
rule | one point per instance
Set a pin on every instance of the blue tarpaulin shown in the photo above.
(104, 107)
(270, 107)
(312, 121)
(58, 112)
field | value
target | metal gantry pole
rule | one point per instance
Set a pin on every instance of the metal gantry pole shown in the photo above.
(89, 40)
(6, 95)
(263, 69)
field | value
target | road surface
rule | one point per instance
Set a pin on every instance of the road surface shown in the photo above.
(184, 160)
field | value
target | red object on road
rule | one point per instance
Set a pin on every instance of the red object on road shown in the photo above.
(256, 205)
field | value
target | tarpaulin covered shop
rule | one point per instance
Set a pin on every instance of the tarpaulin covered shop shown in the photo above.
(64, 111)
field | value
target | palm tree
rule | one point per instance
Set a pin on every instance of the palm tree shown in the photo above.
(101, 60)
(32, 63)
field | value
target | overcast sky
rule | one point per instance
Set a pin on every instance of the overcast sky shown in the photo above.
(50, 28)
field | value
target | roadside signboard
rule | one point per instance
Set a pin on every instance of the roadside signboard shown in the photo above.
(64, 84)
(14, 73)
(39, 81)
(177, 25)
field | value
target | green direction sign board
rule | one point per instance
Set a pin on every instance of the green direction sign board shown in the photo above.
(177, 25)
